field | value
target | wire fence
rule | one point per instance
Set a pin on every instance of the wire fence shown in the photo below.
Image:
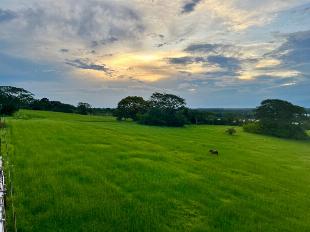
(2, 198)
(6, 189)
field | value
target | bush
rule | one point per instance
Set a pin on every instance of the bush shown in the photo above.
(231, 131)
(289, 131)
(307, 124)
(2, 125)
(252, 127)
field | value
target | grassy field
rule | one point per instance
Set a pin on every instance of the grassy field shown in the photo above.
(86, 173)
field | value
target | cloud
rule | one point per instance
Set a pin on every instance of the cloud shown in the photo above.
(288, 84)
(86, 64)
(217, 65)
(7, 15)
(294, 53)
(267, 63)
(210, 48)
(296, 49)
(185, 60)
(190, 6)
(229, 63)
(44, 28)
(249, 62)
(104, 21)
(155, 35)
(227, 51)
(64, 50)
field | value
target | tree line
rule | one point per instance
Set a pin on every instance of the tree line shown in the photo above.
(12, 99)
(273, 117)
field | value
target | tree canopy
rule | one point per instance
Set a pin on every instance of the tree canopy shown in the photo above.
(167, 101)
(12, 98)
(84, 108)
(57, 106)
(131, 107)
(162, 109)
(275, 111)
(165, 110)
(280, 118)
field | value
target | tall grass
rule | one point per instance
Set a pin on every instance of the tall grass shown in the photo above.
(84, 173)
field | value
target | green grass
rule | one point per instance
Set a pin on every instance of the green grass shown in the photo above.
(84, 173)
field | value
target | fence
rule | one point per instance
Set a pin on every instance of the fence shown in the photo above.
(5, 165)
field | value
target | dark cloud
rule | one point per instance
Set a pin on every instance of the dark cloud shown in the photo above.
(219, 74)
(111, 39)
(229, 63)
(294, 53)
(64, 50)
(94, 44)
(155, 35)
(296, 49)
(161, 45)
(186, 60)
(86, 64)
(7, 15)
(161, 36)
(190, 6)
(106, 41)
(208, 48)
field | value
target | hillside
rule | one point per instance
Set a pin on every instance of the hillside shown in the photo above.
(87, 173)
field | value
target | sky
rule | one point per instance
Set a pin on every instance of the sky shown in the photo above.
(229, 53)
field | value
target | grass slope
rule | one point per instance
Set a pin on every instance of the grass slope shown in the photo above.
(84, 173)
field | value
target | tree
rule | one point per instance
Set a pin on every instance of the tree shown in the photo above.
(165, 110)
(43, 104)
(195, 116)
(281, 118)
(13, 98)
(57, 106)
(168, 102)
(84, 108)
(131, 107)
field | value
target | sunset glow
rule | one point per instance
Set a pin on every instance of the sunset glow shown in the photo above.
(110, 49)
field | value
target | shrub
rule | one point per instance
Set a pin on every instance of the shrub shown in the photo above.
(252, 127)
(289, 131)
(2, 125)
(231, 131)
(307, 124)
